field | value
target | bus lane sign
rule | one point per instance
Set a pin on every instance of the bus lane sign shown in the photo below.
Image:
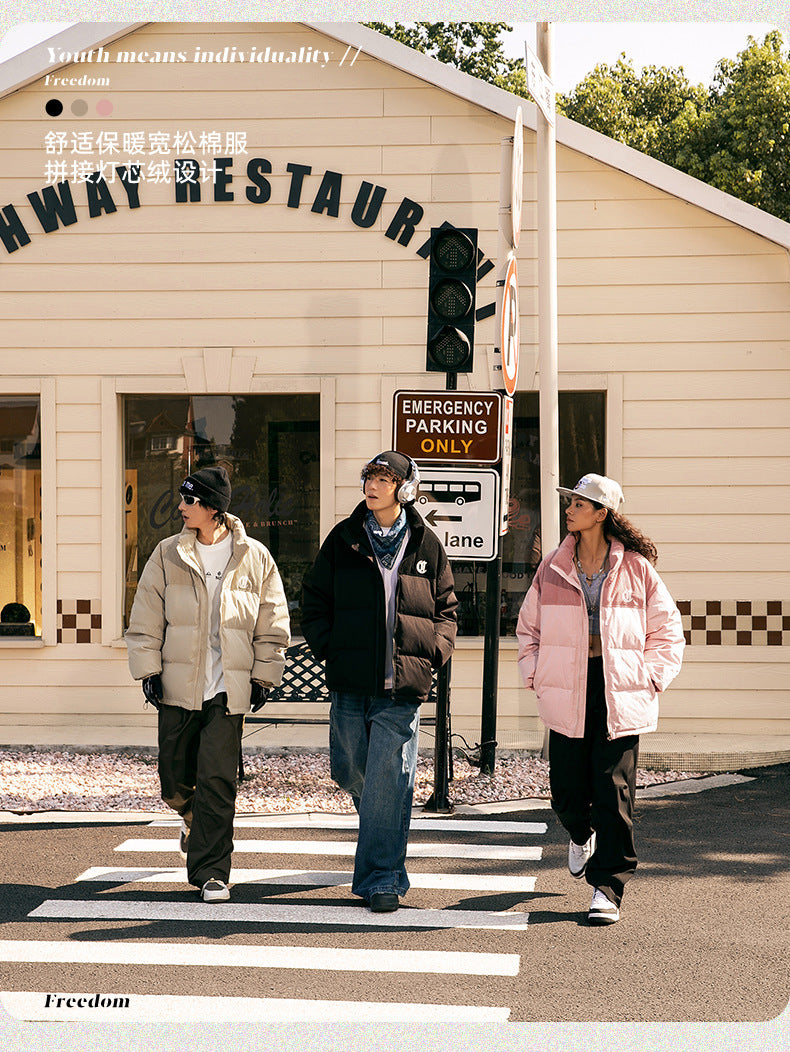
(448, 427)
(461, 506)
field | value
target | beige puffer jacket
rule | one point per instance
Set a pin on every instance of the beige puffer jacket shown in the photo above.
(168, 627)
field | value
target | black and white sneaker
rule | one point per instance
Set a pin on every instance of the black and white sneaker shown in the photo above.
(602, 909)
(183, 840)
(579, 855)
(215, 890)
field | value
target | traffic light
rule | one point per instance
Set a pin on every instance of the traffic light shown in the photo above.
(451, 300)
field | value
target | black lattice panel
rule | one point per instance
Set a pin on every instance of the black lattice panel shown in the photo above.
(303, 678)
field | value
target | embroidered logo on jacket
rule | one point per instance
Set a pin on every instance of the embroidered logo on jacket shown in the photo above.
(422, 566)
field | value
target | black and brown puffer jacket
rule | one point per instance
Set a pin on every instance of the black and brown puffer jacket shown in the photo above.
(344, 620)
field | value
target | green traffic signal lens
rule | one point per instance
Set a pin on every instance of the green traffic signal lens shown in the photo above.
(449, 349)
(453, 250)
(451, 300)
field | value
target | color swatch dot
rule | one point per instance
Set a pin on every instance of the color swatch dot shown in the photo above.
(79, 107)
(104, 107)
(54, 107)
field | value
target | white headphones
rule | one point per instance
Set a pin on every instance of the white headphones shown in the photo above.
(407, 491)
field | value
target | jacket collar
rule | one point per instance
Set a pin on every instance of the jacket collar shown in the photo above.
(562, 558)
(186, 546)
(354, 526)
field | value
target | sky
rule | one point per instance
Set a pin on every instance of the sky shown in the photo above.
(578, 46)
(696, 46)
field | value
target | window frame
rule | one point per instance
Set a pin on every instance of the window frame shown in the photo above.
(115, 388)
(43, 388)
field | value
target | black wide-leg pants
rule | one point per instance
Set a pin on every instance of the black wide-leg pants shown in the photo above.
(593, 787)
(198, 770)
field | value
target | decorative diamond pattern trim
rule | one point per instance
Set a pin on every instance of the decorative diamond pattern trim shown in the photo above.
(79, 621)
(735, 622)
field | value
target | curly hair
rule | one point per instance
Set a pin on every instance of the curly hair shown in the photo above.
(379, 471)
(632, 539)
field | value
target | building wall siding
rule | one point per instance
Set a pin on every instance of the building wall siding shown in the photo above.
(687, 314)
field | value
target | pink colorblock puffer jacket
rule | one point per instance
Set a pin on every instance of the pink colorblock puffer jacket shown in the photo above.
(641, 638)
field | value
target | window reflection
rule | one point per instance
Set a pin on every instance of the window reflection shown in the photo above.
(270, 447)
(20, 517)
(582, 418)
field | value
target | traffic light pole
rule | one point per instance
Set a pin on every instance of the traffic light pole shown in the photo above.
(439, 801)
(488, 714)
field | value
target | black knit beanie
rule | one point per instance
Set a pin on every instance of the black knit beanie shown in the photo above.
(209, 485)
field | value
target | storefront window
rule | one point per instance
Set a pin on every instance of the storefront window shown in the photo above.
(270, 447)
(582, 429)
(20, 517)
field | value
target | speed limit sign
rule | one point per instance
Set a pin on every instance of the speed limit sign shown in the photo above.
(509, 332)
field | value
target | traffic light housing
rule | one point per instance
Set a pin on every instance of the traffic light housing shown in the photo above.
(451, 300)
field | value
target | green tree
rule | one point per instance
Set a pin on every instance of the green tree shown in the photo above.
(473, 47)
(733, 136)
(742, 144)
(652, 111)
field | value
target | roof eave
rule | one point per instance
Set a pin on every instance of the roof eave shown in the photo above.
(570, 134)
(30, 65)
(27, 67)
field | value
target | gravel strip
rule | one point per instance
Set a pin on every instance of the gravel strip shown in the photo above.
(35, 780)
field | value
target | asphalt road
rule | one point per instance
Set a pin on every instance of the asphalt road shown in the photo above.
(703, 937)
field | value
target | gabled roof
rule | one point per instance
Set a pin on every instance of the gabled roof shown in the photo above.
(32, 64)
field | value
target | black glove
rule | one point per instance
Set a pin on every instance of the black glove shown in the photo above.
(258, 695)
(152, 688)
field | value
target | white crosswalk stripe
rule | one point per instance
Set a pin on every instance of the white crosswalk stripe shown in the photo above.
(314, 958)
(250, 913)
(348, 847)
(161, 1008)
(309, 878)
(315, 821)
(482, 842)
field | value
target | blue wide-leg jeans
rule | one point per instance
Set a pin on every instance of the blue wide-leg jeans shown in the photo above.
(373, 756)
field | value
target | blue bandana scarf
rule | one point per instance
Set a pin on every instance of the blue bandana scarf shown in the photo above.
(385, 545)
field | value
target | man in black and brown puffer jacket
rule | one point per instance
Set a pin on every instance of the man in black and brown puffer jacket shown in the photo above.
(379, 608)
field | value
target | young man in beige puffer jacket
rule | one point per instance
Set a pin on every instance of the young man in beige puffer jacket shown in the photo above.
(207, 637)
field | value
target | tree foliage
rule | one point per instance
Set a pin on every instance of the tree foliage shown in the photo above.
(473, 47)
(743, 142)
(653, 111)
(734, 135)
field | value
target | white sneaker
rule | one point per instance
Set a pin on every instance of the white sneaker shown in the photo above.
(602, 909)
(215, 890)
(183, 840)
(579, 855)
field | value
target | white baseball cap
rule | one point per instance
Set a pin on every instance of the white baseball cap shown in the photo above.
(598, 488)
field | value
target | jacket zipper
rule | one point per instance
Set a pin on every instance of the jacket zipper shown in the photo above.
(603, 659)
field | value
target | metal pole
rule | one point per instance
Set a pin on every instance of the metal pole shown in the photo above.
(488, 713)
(547, 312)
(547, 318)
(439, 800)
(491, 665)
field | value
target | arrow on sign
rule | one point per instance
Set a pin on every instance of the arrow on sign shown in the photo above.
(432, 517)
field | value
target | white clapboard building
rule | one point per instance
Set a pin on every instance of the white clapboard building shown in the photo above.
(214, 250)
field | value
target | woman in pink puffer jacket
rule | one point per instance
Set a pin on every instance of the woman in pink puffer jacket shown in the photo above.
(599, 639)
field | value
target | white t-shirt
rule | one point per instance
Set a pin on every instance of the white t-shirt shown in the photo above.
(214, 559)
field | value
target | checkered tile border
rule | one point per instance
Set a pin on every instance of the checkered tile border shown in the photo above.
(79, 621)
(735, 622)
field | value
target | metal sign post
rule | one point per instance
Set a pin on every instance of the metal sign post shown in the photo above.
(542, 90)
(510, 200)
